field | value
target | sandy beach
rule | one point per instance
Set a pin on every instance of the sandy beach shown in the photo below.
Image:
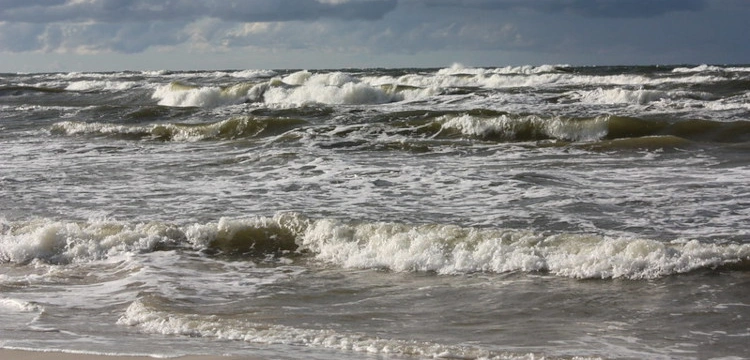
(53, 355)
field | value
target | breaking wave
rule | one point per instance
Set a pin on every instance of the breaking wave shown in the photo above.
(184, 95)
(300, 88)
(441, 248)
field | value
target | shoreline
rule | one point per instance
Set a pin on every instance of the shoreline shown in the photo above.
(13, 354)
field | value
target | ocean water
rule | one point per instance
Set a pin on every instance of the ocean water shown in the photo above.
(463, 213)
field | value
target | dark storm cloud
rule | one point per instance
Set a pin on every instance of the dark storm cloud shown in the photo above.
(589, 8)
(50, 11)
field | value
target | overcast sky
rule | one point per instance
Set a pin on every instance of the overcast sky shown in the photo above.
(102, 35)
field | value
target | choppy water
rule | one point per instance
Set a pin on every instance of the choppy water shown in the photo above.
(471, 213)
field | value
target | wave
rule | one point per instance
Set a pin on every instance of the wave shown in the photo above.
(296, 89)
(91, 85)
(441, 248)
(144, 313)
(693, 130)
(252, 73)
(339, 88)
(526, 128)
(636, 97)
(414, 128)
(448, 249)
(66, 242)
(336, 88)
(235, 128)
(505, 127)
(554, 76)
(460, 69)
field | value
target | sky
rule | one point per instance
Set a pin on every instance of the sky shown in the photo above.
(114, 35)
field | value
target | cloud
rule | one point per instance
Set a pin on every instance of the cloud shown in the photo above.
(76, 11)
(302, 31)
(130, 26)
(588, 8)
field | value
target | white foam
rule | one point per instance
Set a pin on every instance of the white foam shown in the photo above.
(21, 306)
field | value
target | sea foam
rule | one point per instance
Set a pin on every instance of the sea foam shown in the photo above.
(147, 318)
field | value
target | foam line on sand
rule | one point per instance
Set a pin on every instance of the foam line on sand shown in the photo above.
(54, 355)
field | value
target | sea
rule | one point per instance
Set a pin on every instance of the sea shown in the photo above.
(518, 212)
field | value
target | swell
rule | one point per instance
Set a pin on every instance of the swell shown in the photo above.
(439, 248)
